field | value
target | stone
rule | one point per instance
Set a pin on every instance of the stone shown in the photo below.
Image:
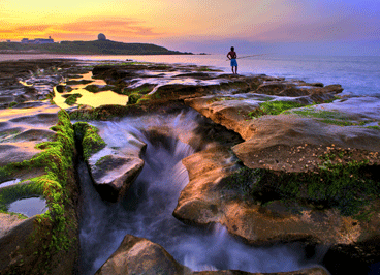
(141, 256)
(113, 175)
(14, 235)
(276, 137)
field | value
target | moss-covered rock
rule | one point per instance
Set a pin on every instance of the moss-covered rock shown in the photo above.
(72, 98)
(50, 245)
(91, 141)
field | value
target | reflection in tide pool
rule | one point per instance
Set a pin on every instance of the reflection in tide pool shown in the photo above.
(89, 98)
(101, 98)
(28, 206)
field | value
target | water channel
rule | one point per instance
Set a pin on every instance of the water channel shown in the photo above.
(146, 211)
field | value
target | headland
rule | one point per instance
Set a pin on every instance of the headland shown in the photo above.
(101, 46)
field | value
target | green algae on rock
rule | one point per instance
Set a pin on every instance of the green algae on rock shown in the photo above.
(72, 98)
(90, 138)
(342, 186)
(275, 107)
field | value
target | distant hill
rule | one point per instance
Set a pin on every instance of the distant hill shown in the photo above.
(96, 47)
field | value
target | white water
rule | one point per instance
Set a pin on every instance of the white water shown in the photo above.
(147, 211)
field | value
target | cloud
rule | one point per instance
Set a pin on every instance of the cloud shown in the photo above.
(27, 29)
(325, 29)
(121, 28)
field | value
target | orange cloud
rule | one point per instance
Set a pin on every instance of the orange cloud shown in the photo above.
(121, 28)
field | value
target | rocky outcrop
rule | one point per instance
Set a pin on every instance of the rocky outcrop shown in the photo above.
(113, 173)
(282, 142)
(27, 80)
(22, 129)
(141, 256)
(278, 145)
(290, 143)
(209, 198)
(112, 170)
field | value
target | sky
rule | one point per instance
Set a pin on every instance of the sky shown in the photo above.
(331, 27)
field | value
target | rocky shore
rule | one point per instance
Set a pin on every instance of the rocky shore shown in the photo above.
(276, 161)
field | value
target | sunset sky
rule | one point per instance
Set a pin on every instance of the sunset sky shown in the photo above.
(307, 26)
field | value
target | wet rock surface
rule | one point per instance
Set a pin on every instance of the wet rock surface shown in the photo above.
(113, 172)
(140, 256)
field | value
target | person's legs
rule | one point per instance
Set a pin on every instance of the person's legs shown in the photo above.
(233, 64)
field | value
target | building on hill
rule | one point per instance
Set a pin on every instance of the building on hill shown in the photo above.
(38, 40)
(101, 36)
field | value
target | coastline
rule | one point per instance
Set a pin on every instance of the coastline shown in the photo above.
(221, 97)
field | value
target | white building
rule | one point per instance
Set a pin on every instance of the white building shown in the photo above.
(38, 40)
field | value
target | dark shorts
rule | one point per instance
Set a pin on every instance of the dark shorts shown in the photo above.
(233, 62)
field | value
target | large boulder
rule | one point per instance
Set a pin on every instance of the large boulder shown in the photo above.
(141, 256)
(114, 173)
(113, 169)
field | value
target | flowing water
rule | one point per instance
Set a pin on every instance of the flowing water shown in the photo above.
(146, 211)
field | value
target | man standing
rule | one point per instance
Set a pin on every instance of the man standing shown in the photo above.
(232, 57)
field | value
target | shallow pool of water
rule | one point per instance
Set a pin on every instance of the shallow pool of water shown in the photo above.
(28, 206)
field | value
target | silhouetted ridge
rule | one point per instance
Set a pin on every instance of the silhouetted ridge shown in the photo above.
(103, 47)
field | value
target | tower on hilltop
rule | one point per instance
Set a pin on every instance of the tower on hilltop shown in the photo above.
(101, 36)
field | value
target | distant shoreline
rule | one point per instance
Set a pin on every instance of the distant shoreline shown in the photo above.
(50, 53)
(95, 47)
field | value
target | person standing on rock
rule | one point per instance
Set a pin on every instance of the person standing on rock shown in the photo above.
(232, 57)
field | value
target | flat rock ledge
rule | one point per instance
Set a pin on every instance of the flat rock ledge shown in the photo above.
(207, 199)
(141, 256)
(284, 142)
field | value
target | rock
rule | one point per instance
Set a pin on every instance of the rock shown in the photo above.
(14, 235)
(60, 89)
(232, 114)
(113, 170)
(198, 202)
(40, 77)
(195, 75)
(210, 198)
(273, 88)
(113, 175)
(141, 256)
(24, 129)
(278, 142)
(316, 91)
(112, 74)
